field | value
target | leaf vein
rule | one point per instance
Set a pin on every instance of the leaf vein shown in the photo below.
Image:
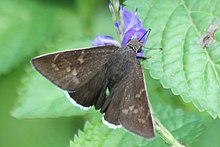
(200, 34)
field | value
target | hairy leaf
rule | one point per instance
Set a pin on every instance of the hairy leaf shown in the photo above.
(183, 65)
(184, 126)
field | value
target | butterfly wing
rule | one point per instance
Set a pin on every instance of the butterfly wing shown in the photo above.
(127, 104)
(135, 113)
(72, 69)
(93, 92)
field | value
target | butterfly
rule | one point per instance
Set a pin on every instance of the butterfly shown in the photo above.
(85, 74)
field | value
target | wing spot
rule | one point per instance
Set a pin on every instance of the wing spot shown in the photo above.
(141, 120)
(125, 111)
(131, 108)
(80, 59)
(54, 66)
(139, 94)
(135, 111)
(74, 72)
(68, 69)
(76, 80)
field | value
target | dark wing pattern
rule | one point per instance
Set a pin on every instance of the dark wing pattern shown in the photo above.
(127, 103)
(93, 92)
(111, 105)
(71, 69)
(135, 113)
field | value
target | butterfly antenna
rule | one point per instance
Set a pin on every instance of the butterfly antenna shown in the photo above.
(159, 49)
(145, 34)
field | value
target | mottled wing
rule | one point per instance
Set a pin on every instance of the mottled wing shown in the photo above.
(72, 69)
(135, 113)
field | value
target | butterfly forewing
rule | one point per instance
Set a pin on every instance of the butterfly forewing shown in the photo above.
(71, 69)
(134, 107)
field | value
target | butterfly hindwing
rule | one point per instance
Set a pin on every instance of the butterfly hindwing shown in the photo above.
(93, 92)
(72, 69)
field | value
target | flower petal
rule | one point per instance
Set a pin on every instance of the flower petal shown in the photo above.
(111, 8)
(117, 25)
(139, 54)
(127, 36)
(105, 40)
(135, 33)
(141, 34)
(130, 19)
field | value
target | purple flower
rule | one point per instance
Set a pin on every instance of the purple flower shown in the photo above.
(132, 29)
(130, 19)
(133, 33)
(117, 26)
(105, 40)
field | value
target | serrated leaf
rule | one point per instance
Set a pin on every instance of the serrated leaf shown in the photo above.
(184, 126)
(24, 28)
(41, 99)
(189, 70)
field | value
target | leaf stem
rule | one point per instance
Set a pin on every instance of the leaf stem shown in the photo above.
(165, 134)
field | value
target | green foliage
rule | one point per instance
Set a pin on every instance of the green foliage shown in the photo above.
(183, 66)
(184, 126)
(45, 101)
(22, 34)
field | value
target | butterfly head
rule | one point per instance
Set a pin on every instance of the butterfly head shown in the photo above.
(135, 45)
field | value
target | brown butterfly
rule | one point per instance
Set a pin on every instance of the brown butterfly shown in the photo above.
(87, 73)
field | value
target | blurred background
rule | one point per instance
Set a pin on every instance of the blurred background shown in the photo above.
(31, 27)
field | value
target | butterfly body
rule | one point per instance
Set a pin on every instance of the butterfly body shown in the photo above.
(87, 73)
(120, 64)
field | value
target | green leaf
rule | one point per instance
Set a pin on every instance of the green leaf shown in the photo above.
(24, 28)
(184, 126)
(189, 70)
(41, 99)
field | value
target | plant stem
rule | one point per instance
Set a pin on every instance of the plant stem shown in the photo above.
(165, 134)
(117, 17)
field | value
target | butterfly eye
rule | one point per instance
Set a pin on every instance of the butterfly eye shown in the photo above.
(139, 50)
